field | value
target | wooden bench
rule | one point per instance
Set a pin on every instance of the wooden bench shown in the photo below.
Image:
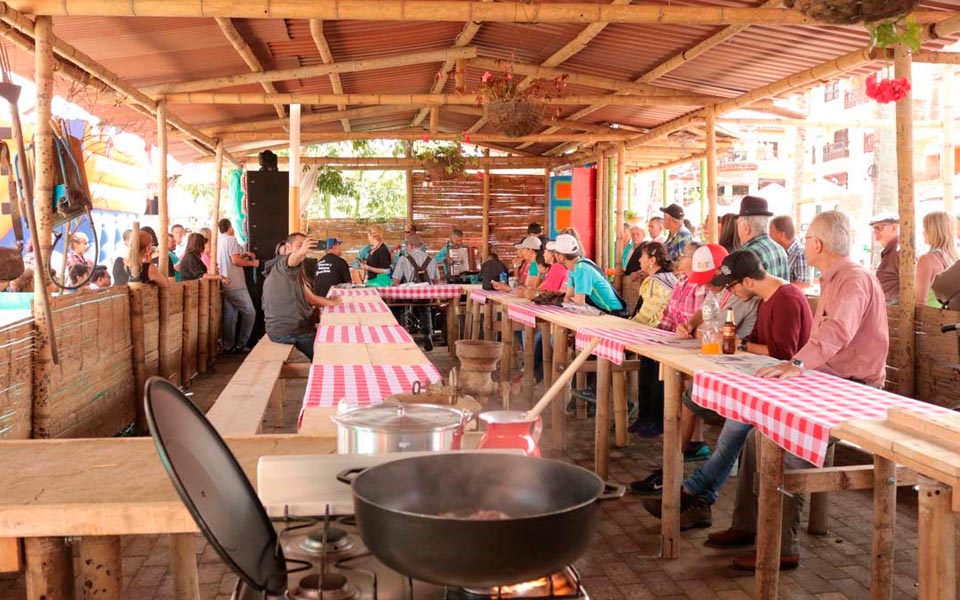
(240, 407)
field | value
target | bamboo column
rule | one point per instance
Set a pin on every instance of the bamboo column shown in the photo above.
(162, 208)
(408, 153)
(908, 265)
(947, 166)
(294, 168)
(598, 207)
(215, 230)
(621, 193)
(485, 226)
(546, 201)
(711, 182)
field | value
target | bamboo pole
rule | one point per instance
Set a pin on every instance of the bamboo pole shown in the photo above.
(434, 121)
(387, 163)
(320, 41)
(905, 191)
(64, 69)
(246, 53)
(621, 202)
(25, 26)
(461, 11)
(711, 182)
(49, 561)
(947, 155)
(215, 230)
(416, 134)
(485, 224)
(853, 123)
(929, 56)
(547, 189)
(600, 207)
(422, 99)
(408, 178)
(293, 208)
(162, 207)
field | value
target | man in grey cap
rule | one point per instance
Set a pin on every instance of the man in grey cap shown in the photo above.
(886, 232)
(680, 236)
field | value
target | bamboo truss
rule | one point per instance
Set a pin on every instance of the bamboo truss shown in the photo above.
(417, 134)
(421, 99)
(246, 53)
(326, 55)
(397, 163)
(462, 11)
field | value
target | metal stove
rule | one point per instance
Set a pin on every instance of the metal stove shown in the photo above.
(327, 560)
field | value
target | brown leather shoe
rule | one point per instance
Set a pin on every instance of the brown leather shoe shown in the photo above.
(748, 562)
(729, 538)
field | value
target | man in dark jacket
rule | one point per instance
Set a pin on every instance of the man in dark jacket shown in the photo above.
(331, 269)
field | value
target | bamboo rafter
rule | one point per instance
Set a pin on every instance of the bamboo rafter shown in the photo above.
(419, 99)
(417, 134)
(330, 116)
(399, 163)
(246, 53)
(461, 11)
(326, 55)
(854, 123)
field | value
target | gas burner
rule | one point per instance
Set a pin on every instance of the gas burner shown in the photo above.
(329, 586)
(337, 540)
(565, 584)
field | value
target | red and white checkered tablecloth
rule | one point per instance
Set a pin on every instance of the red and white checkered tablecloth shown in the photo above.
(481, 296)
(362, 385)
(797, 413)
(335, 291)
(375, 305)
(421, 292)
(613, 342)
(362, 334)
(527, 313)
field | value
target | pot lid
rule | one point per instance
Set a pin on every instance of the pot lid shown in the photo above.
(402, 417)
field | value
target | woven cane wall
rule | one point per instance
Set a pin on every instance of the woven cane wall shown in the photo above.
(16, 380)
(171, 331)
(191, 329)
(91, 391)
(937, 372)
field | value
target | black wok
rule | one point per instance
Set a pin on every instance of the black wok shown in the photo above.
(551, 505)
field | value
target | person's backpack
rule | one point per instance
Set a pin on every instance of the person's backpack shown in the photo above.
(419, 271)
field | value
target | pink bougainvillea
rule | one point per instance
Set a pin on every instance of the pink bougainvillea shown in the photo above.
(887, 90)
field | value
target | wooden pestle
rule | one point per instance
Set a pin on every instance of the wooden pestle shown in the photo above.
(563, 380)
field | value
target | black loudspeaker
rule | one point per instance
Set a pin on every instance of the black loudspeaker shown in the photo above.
(267, 210)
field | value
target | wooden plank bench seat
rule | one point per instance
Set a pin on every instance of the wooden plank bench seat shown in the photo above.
(240, 407)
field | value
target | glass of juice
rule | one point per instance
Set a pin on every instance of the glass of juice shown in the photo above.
(710, 341)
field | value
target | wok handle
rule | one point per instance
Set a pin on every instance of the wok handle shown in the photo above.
(348, 475)
(612, 491)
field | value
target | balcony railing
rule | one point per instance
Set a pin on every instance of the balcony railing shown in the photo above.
(835, 150)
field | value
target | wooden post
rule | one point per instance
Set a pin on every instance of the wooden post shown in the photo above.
(621, 202)
(485, 225)
(711, 181)
(434, 120)
(475, 321)
(769, 517)
(620, 408)
(937, 526)
(294, 168)
(215, 230)
(609, 239)
(49, 560)
(162, 208)
(947, 166)
(453, 323)
(529, 333)
(547, 355)
(672, 463)
(100, 568)
(183, 563)
(546, 201)
(884, 517)
(43, 208)
(558, 408)
(908, 264)
(601, 449)
(408, 178)
(506, 338)
(819, 515)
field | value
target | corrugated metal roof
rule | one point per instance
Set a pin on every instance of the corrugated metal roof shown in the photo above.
(148, 51)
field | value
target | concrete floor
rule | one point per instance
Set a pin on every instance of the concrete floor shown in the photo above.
(621, 562)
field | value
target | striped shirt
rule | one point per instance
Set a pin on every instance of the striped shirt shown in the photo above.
(797, 259)
(771, 255)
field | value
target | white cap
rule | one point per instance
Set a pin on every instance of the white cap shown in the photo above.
(564, 244)
(531, 242)
(885, 217)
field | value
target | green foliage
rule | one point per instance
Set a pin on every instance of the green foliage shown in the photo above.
(885, 34)
(444, 155)
(361, 195)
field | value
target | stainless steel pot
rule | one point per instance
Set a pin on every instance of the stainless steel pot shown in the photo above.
(392, 427)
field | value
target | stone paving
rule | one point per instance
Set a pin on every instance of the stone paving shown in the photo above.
(621, 562)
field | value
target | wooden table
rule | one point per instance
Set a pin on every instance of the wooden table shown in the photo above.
(99, 489)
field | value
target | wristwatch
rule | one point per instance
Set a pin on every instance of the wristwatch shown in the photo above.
(797, 363)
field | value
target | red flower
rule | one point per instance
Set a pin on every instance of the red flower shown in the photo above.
(466, 136)
(479, 174)
(425, 138)
(509, 76)
(887, 90)
(487, 77)
(439, 74)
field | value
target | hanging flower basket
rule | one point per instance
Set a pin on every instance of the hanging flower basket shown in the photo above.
(847, 12)
(515, 117)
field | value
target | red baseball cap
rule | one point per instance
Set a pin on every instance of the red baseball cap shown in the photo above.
(706, 260)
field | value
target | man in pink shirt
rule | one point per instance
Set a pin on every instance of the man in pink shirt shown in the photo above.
(849, 339)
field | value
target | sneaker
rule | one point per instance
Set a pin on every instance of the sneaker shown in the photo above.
(695, 513)
(652, 485)
(649, 430)
(241, 350)
(696, 452)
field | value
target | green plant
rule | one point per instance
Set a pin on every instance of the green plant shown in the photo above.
(884, 34)
(445, 158)
(503, 86)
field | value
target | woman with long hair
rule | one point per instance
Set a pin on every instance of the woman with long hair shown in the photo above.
(940, 233)
(656, 288)
(148, 271)
(729, 238)
(191, 265)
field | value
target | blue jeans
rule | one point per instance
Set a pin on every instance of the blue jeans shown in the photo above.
(237, 302)
(707, 480)
(303, 341)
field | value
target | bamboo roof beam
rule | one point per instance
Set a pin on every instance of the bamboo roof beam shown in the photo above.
(246, 53)
(420, 99)
(854, 124)
(320, 41)
(416, 134)
(390, 162)
(346, 66)
(463, 11)
(465, 36)
(330, 116)
(569, 49)
(25, 26)
(940, 58)
(767, 106)
(64, 69)
(669, 164)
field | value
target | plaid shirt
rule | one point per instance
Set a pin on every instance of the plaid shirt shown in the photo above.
(771, 255)
(677, 242)
(686, 299)
(797, 258)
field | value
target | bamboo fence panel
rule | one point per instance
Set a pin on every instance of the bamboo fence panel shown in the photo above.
(216, 314)
(191, 327)
(91, 393)
(145, 324)
(171, 331)
(16, 380)
(203, 326)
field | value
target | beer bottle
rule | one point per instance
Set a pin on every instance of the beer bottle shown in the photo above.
(729, 333)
